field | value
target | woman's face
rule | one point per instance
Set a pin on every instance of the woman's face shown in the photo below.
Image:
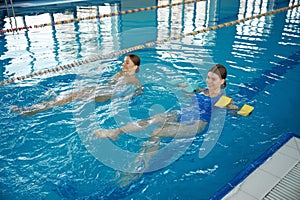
(213, 81)
(128, 65)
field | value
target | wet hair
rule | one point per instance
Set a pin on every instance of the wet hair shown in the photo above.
(221, 71)
(136, 60)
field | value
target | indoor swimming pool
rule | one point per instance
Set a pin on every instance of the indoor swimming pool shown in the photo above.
(60, 48)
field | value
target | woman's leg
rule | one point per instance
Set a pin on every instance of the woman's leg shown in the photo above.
(114, 134)
(171, 129)
(26, 111)
(180, 129)
(150, 149)
(58, 101)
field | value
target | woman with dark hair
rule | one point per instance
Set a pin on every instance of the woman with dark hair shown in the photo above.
(118, 86)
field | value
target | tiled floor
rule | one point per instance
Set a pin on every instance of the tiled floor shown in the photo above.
(264, 178)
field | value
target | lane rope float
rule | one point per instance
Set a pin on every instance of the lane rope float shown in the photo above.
(99, 16)
(139, 47)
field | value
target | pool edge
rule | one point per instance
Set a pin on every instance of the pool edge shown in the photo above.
(221, 193)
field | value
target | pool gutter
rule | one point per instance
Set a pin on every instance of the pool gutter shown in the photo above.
(260, 177)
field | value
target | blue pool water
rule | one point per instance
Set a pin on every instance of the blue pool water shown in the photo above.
(54, 155)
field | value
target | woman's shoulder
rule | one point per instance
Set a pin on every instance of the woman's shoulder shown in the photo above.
(119, 73)
(133, 80)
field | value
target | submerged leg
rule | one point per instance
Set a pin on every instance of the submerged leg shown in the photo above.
(180, 130)
(173, 129)
(150, 149)
(58, 101)
(103, 98)
(138, 166)
(114, 134)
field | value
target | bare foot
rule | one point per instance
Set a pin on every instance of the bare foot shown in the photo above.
(113, 134)
(24, 111)
(15, 108)
(140, 164)
(126, 178)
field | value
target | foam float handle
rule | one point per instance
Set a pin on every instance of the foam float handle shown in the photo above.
(224, 101)
(246, 110)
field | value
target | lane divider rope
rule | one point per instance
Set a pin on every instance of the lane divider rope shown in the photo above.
(99, 16)
(139, 47)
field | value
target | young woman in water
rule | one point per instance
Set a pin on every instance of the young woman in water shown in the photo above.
(116, 87)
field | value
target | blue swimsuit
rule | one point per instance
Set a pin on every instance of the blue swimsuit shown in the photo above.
(201, 109)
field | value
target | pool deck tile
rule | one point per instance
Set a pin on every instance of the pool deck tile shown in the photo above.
(241, 195)
(265, 177)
